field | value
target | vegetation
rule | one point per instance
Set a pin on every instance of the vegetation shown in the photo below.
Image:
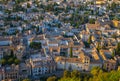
(9, 59)
(113, 53)
(87, 45)
(96, 74)
(71, 52)
(71, 76)
(113, 7)
(91, 21)
(89, 39)
(99, 47)
(53, 78)
(26, 80)
(114, 36)
(107, 76)
(35, 45)
(117, 50)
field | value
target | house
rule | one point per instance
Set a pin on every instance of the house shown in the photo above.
(116, 23)
(106, 54)
(41, 65)
(84, 35)
(19, 51)
(95, 60)
(2, 22)
(76, 48)
(54, 46)
(24, 70)
(11, 73)
(116, 1)
(42, 39)
(118, 39)
(64, 46)
(110, 65)
(92, 27)
(100, 2)
(81, 64)
(117, 58)
(5, 41)
(29, 39)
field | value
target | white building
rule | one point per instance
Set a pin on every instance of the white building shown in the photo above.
(41, 65)
(5, 41)
(81, 64)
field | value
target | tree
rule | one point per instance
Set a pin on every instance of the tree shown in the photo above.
(71, 52)
(114, 36)
(26, 80)
(113, 53)
(17, 61)
(90, 39)
(96, 75)
(17, 1)
(95, 71)
(70, 79)
(53, 78)
(35, 45)
(66, 74)
(87, 45)
(75, 73)
(98, 47)
(11, 53)
(117, 50)
(10, 60)
(3, 61)
(113, 6)
(28, 5)
(91, 21)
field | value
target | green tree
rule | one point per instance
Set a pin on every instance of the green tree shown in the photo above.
(113, 6)
(3, 61)
(53, 78)
(70, 79)
(71, 52)
(28, 5)
(66, 74)
(90, 39)
(117, 51)
(91, 21)
(98, 47)
(75, 73)
(114, 36)
(95, 71)
(26, 80)
(16, 61)
(113, 53)
(10, 60)
(35, 45)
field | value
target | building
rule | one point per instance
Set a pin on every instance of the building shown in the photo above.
(5, 41)
(11, 73)
(81, 64)
(24, 70)
(100, 2)
(109, 65)
(116, 23)
(41, 65)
